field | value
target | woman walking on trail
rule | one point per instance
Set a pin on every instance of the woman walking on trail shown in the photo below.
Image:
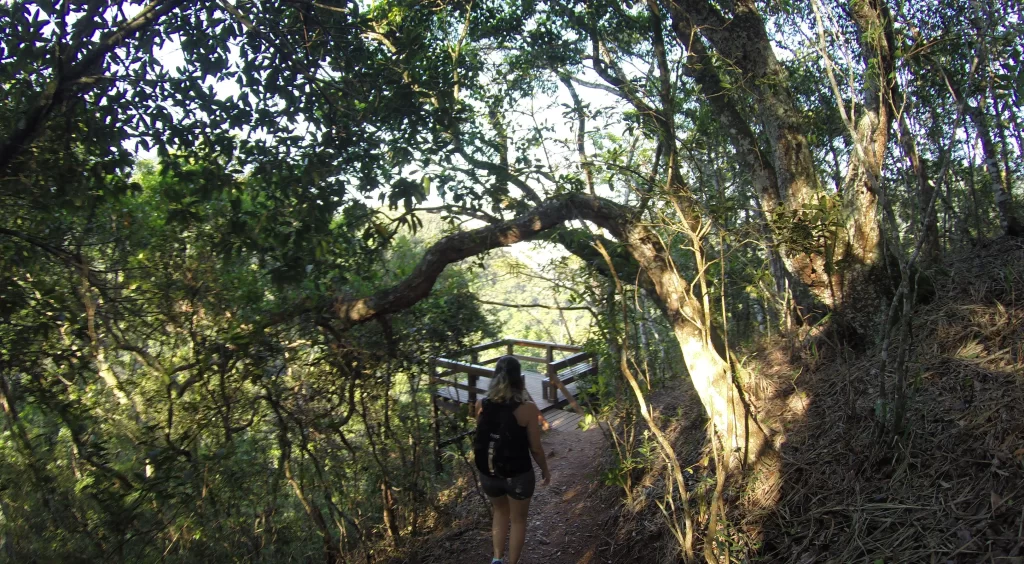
(507, 434)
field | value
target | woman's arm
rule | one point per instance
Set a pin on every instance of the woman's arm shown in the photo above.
(537, 449)
(479, 410)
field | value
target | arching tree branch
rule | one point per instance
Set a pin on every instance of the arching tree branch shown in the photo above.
(459, 246)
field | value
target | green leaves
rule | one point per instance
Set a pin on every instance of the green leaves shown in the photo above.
(406, 191)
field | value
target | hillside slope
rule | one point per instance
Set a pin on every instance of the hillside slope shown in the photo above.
(950, 489)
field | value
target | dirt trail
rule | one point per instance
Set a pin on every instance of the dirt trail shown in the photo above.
(566, 518)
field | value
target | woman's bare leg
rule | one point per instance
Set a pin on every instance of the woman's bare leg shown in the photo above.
(499, 526)
(517, 538)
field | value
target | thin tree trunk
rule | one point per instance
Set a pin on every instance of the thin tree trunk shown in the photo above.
(972, 187)
(388, 502)
(581, 133)
(1008, 222)
(928, 222)
(998, 175)
(1004, 153)
(332, 554)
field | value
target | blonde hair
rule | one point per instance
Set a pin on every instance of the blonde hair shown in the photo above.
(507, 384)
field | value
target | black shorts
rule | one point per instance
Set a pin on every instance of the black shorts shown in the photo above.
(517, 487)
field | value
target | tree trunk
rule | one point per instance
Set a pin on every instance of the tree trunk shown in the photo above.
(1004, 202)
(388, 503)
(863, 293)
(707, 364)
(741, 38)
(332, 553)
(927, 199)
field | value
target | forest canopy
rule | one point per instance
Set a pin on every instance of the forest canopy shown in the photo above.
(235, 233)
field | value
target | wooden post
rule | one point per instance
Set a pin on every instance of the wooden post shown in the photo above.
(557, 383)
(473, 359)
(572, 401)
(438, 466)
(552, 373)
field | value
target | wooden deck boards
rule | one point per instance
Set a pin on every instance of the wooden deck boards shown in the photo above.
(561, 419)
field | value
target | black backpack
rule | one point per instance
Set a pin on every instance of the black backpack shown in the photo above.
(493, 445)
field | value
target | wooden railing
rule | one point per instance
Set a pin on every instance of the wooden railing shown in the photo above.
(559, 372)
(473, 371)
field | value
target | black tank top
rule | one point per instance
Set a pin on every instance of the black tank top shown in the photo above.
(501, 447)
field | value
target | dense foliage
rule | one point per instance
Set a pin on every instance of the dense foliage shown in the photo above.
(197, 195)
(147, 397)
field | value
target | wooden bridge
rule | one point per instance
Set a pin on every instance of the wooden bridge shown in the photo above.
(465, 377)
(550, 372)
